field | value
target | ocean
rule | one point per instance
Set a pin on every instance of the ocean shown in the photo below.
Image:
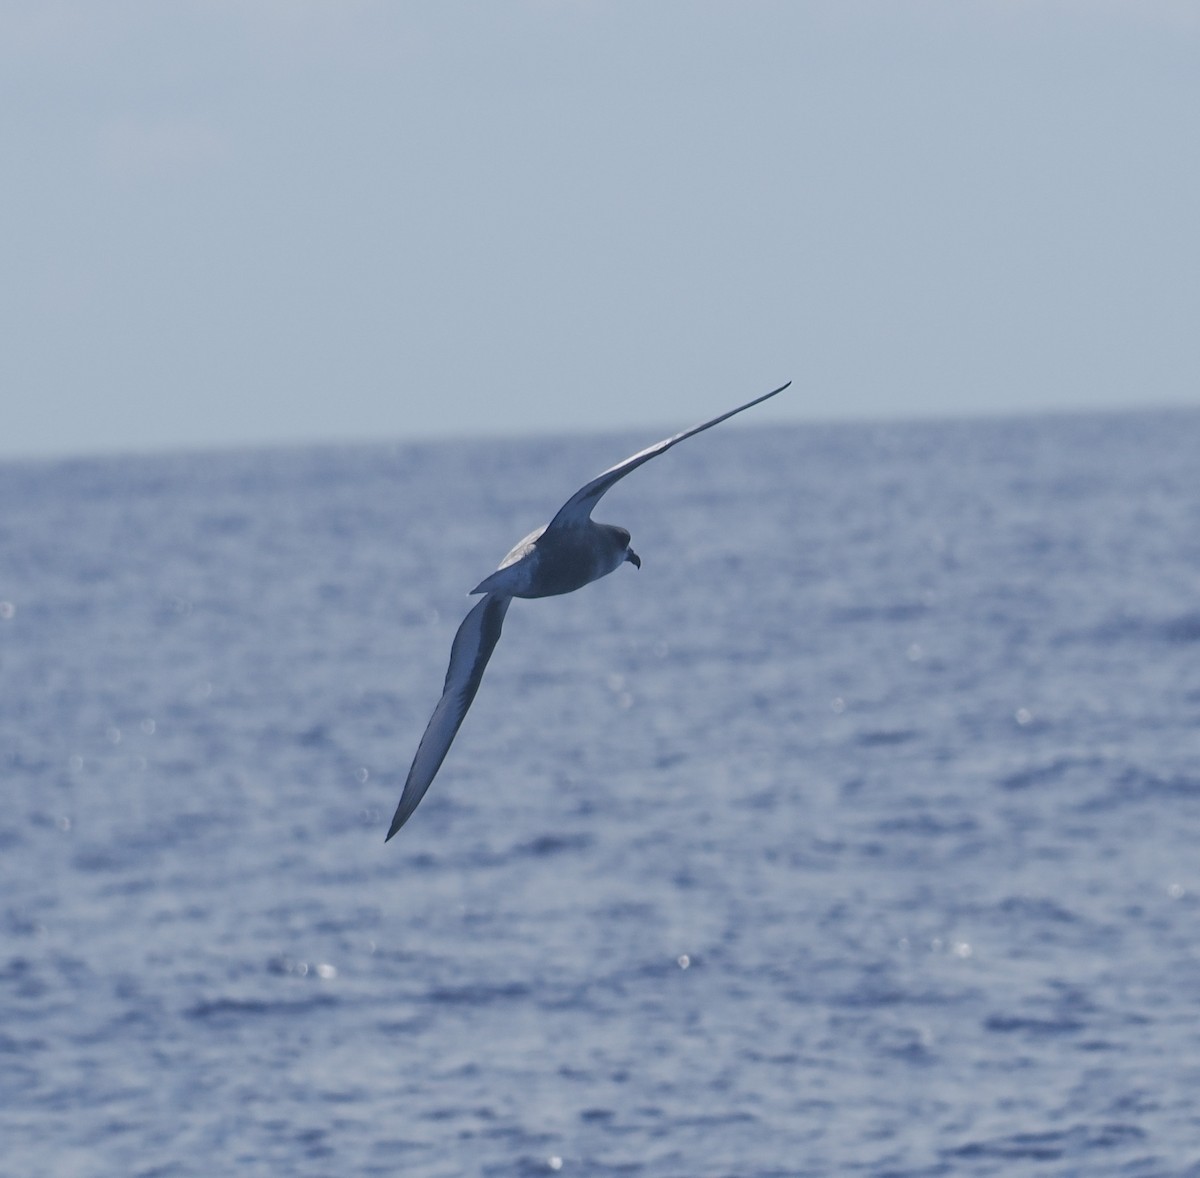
(857, 833)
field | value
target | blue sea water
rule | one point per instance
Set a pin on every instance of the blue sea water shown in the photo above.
(857, 833)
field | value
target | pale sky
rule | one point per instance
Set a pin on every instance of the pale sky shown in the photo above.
(243, 221)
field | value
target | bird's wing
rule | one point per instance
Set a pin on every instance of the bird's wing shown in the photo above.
(579, 507)
(469, 654)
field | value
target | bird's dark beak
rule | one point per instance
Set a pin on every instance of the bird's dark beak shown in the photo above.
(633, 558)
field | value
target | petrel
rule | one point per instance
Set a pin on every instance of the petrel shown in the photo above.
(564, 555)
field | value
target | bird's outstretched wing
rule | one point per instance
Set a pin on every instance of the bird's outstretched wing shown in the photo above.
(469, 654)
(579, 507)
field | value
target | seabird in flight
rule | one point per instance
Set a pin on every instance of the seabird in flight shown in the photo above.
(568, 553)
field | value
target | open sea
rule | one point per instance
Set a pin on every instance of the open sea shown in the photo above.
(857, 834)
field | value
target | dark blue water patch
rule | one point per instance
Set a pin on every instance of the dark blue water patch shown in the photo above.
(1006, 1024)
(885, 738)
(910, 1045)
(1181, 629)
(24, 978)
(1019, 1147)
(458, 1112)
(1053, 1145)
(902, 611)
(105, 860)
(10, 838)
(224, 523)
(1054, 771)
(20, 1046)
(1137, 786)
(227, 1010)
(1138, 783)
(478, 994)
(143, 1022)
(930, 825)
(1037, 909)
(555, 844)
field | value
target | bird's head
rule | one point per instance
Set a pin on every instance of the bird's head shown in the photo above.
(621, 536)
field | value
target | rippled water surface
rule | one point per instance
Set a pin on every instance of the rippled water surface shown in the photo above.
(857, 833)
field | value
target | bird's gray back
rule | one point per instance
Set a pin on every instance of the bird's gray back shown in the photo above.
(571, 557)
